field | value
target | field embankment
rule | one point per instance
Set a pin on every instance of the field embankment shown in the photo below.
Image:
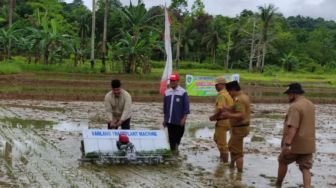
(145, 88)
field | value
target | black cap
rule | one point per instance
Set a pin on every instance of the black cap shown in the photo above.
(294, 88)
(234, 85)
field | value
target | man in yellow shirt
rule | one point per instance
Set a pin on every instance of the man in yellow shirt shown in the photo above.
(222, 125)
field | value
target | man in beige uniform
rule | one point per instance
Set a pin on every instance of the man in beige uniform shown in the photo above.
(222, 125)
(239, 115)
(298, 141)
(118, 106)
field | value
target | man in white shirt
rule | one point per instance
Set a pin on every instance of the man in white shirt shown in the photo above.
(118, 106)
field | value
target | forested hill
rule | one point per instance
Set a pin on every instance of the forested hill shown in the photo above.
(49, 31)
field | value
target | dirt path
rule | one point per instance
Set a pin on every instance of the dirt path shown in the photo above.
(45, 136)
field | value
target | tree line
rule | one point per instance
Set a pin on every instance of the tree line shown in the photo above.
(50, 31)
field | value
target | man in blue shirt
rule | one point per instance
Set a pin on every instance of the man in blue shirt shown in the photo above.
(175, 109)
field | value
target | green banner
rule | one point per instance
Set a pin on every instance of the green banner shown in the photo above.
(205, 85)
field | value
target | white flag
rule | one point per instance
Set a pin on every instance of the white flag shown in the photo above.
(169, 57)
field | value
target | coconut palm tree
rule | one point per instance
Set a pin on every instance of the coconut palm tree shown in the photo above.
(93, 33)
(187, 40)
(11, 4)
(183, 37)
(266, 14)
(211, 39)
(104, 35)
(84, 29)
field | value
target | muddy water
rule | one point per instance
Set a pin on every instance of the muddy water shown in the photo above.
(43, 147)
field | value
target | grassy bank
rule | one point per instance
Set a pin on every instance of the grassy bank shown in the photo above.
(6, 68)
(268, 78)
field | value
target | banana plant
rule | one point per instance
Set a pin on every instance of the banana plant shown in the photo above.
(138, 18)
(8, 35)
(2, 20)
(48, 38)
(27, 45)
(135, 51)
(138, 38)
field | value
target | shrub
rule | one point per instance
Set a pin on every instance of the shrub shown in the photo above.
(9, 68)
(307, 64)
(189, 65)
(270, 70)
(157, 64)
(330, 67)
(313, 67)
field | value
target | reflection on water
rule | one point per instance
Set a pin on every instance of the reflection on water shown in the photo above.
(274, 141)
(224, 176)
(204, 133)
(71, 126)
(202, 130)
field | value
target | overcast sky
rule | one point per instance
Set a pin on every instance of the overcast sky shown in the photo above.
(313, 8)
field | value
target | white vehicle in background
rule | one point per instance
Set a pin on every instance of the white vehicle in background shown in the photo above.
(125, 146)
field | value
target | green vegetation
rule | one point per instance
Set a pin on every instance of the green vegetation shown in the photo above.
(51, 35)
(29, 89)
(92, 155)
(9, 69)
(19, 63)
(42, 108)
(48, 43)
(161, 152)
(166, 153)
(273, 77)
(26, 123)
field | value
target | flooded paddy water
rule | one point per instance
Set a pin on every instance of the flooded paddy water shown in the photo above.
(39, 147)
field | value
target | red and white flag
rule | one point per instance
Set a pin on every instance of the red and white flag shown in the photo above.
(169, 57)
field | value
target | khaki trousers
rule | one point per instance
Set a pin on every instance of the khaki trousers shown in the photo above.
(220, 137)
